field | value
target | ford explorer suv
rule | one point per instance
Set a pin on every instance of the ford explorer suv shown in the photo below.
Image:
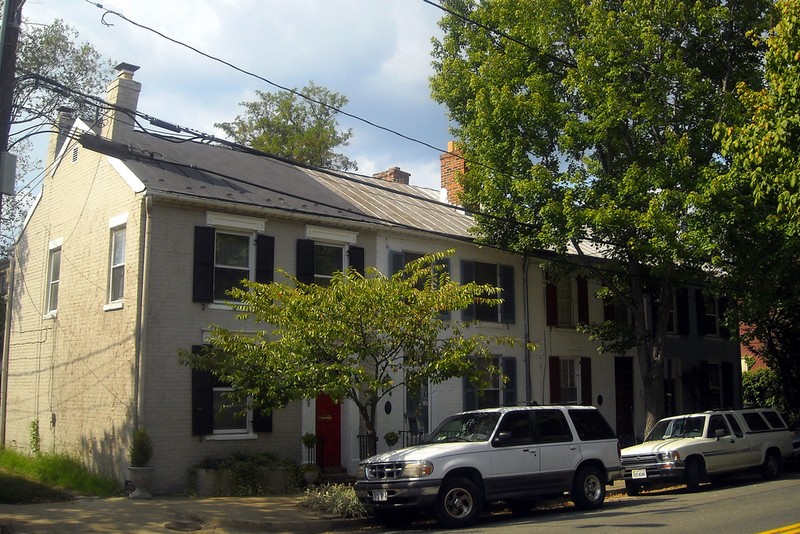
(692, 448)
(512, 454)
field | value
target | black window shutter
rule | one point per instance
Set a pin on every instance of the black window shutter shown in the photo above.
(262, 421)
(705, 373)
(202, 399)
(682, 310)
(305, 261)
(467, 276)
(586, 381)
(551, 303)
(265, 258)
(555, 379)
(727, 385)
(583, 299)
(700, 305)
(356, 255)
(509, 368)
(723, 307)
(396, 263)
(609, 313)
(470, 395)
(203, 275)
(506, 283)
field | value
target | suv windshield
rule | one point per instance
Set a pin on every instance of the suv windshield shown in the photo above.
(684, 427)
(477, 426)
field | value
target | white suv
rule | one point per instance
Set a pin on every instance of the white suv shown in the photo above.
(512, 454)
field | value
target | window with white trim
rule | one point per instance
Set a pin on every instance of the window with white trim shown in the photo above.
(328, 259)
(231, 262)
(230, 417)
(498, 388)
(53, 279)
(564, 301)
(116, 276)
(569, 385)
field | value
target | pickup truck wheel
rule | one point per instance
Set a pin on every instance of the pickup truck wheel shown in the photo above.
(589, 488)
(632, 488)
(459, 503)
(692, 473)
(771, 467)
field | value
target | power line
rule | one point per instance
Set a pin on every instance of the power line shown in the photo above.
(259, 77)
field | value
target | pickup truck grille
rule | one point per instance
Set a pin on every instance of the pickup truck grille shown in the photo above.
(640, 460)
(386, 471)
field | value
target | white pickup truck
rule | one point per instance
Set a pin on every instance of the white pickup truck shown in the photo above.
(692, 448)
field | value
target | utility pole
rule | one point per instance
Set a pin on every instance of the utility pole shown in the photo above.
(9, 37)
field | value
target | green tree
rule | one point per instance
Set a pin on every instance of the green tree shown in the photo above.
(587, 126)
(765, 149)
(359, 338)
(752, 209)
(289, 126)
(51, 51)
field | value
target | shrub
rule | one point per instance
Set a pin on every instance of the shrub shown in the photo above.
(141, 449)
(338, 499)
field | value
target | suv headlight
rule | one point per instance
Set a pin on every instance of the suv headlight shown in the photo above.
(417, 469)
(361, 472)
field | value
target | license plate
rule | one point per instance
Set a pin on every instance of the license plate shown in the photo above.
(379, 495)
(639, 473)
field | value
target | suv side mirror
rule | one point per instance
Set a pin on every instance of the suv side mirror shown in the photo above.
(718, 433)
(501, 439)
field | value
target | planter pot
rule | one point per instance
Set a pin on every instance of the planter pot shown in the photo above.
(141, 477)
(310, 476)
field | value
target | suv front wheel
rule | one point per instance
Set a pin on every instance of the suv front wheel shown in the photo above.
(589, 488)
(459, 503)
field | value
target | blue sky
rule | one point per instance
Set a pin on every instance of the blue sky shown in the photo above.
(375, 52)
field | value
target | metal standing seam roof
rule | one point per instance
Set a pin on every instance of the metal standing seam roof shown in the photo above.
(204, 171)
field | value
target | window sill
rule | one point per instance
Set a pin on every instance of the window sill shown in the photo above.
(220, 306)
(230, 437)
(50, 315)
(118, 305)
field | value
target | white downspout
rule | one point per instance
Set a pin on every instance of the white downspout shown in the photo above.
(141, 313)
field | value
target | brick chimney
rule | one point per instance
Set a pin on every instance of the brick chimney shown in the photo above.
(123, 93)
(453, 166)
(393, 174)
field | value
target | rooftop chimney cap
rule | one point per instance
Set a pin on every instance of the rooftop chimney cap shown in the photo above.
(126, 69)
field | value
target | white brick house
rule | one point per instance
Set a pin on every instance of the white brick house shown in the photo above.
(127, 253)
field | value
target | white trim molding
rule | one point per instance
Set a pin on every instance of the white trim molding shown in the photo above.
(234, 222)
(320, 233)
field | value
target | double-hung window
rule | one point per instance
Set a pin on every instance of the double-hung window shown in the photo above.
(501, 276)
(227, 250)
(498, 388)
(116, 261)
(53, 277)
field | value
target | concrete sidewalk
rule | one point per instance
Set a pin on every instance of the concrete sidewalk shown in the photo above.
(221, 515)
(171, 514)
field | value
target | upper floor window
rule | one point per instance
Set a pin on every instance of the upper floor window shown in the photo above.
(328, 259)
(501, 276)
(228, 250)
(53, 279)
(326, 251)
(116, 277)
(710, 311)
(563, 297)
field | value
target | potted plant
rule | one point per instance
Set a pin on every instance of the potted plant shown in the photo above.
(309, 470)
(139, 457)
(391, 439)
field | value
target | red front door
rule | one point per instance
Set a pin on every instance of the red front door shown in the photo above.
(329, 432)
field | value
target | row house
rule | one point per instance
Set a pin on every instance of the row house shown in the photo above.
(126, 257)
